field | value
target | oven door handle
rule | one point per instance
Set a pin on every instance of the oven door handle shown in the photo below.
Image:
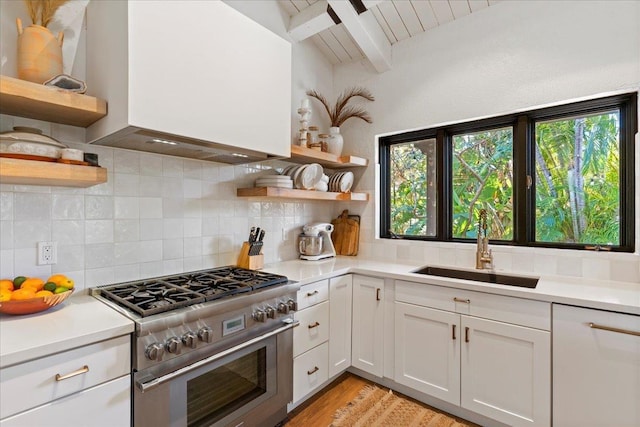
(148, 385)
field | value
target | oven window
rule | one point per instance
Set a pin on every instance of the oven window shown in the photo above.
(214, 395)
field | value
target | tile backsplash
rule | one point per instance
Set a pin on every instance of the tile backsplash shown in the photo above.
(155, 215)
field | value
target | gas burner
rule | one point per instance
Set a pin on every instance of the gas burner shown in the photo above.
(166, 293)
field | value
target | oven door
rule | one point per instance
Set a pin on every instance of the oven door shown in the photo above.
(232, 387)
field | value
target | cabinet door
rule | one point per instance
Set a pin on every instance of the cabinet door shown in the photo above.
(596, 372)
(313, 329)
(340, 298)
(506, 372)
(427, 351)
(368, 324)
(106, 405)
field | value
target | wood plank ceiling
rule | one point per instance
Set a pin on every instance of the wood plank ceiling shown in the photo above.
(397, 19)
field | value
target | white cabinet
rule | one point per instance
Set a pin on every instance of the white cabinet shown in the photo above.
(96, 376)
(367, 323)
(195, 70)
(427, 351)
(105, 405)
(340, 298)
(495, 359)
(596, 368)
(310, 340)
(506, 372)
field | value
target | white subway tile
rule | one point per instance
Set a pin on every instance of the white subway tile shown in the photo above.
(150, 186)
(6, 206)
(32, 206)
(26, 234)
(127, 273)
(70, 258)
(6, 234)
(24, 264)
(173, 228)
(151, 250)
(126, 253)
(151, 229)
(172, 249)
(125, 161)
(150, 164)
(98, 207)
(68, 232)
(67, 206)
(98, 231)
(126, 230)
(172, 166)
(150, 207)
(192, 247)
(6, 263)
(126, 207)
(192, 188)
(98, 255)
(99, 276)
(126, 184)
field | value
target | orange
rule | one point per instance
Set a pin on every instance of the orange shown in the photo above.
(23, 293)
(44, 293)
(5, 295)
(61, 280)
(6, 285)
(34, 283)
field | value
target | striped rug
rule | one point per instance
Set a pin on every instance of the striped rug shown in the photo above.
(380, 408)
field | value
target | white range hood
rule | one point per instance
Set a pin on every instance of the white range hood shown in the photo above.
(188, 78)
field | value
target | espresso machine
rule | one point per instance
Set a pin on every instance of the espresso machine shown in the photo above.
(315, 241)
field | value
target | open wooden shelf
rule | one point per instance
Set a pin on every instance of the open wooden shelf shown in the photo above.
(31, 172)
(26, 99)
(300, 154)
(287, 193)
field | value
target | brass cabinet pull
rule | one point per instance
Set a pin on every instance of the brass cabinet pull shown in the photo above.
(310, 294)
(610, 329)
(80, 371)
(466, 334)
(453, 332)
(315, 325)
(377, 294)
(466, 301)
(313, 371)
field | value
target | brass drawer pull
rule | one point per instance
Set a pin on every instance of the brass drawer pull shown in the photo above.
(315, 325)
(80, 371)
(610, 329)
(313, 371)
(310, 294)
(466, 334)
(377, 294)
(466, 301)
(453, 332)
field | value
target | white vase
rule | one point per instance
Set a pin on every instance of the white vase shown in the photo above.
(335, 141)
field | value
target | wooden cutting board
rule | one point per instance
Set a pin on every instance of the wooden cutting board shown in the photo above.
(346, 234)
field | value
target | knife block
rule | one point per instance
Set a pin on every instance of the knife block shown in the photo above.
(252, 262)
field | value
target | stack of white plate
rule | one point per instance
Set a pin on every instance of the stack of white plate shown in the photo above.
(341, 182)
(282, 181)
(305, 177)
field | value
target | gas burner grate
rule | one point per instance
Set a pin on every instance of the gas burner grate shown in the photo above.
(150, 296)
(166, 293)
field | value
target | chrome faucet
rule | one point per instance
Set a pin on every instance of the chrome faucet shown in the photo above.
(484, 258)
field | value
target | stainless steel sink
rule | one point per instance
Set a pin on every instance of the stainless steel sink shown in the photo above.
(480, 276)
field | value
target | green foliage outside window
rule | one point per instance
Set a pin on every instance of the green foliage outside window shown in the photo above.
(578, 180)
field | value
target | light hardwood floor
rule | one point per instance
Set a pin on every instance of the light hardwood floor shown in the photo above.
(318, 411)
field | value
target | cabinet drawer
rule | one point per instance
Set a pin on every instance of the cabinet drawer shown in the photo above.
(312, 294)
(34, 383)
(519, 311)
(105, 405)
(310, 370)
(313, 329)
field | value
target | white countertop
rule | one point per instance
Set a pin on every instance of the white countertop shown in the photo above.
(78, 321)
(82, 319)
(622, 297)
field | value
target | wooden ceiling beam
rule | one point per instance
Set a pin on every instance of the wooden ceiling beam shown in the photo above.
(366, 32)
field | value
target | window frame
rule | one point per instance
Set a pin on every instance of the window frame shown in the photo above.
(523, 124)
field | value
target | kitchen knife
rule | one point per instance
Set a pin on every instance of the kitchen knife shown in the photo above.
(261, 236)
(255, 249)
(252, 234)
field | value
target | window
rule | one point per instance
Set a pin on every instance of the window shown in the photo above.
(556, 177)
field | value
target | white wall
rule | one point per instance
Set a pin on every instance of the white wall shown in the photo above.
(512, 56)
(156, 214)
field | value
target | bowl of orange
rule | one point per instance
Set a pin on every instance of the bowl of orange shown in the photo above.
(27, 295)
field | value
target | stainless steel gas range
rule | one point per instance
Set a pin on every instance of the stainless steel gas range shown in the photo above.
(211, 347)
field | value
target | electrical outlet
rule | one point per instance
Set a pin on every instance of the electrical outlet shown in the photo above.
(47, 253)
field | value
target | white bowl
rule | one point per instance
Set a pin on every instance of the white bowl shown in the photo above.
(29, 143)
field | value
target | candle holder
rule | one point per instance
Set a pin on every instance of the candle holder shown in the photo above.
(305, 116)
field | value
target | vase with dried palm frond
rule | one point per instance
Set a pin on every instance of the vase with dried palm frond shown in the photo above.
(39, 51)
(341, 112)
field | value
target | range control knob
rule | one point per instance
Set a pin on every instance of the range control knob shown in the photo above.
(293, 306)
(173, 345)
(154, 351)
(259, 316)
(271, 312)
(283, 308)
(205, 334)
(190, 339)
